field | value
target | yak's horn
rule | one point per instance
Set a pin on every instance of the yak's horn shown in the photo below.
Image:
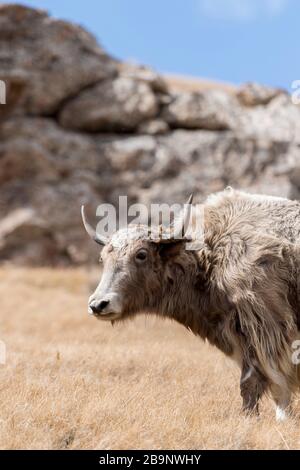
(181, 225)
(101, 240)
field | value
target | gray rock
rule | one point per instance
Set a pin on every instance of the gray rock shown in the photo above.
(167, 168)
(144, 74)
(153, 127)
(279, 121)
(254, 94)
(53, 172)
(212, 110)
(37, 149)
(113, 105)
(25, 239)
(53, 59)
(59, 228)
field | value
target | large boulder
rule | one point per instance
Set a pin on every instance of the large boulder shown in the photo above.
(51, 172)
(24, 237)
(53, 221)
(144, 74)
(255, 94)
(279, 121)
(52, 60)
(37, 149)
(167, 168)
(212, 110)
(112, 105)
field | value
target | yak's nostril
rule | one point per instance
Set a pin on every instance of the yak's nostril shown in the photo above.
(94, 308)
(97, 307)
(103, 304)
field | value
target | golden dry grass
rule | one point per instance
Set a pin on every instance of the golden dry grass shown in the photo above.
(181, 83)
(72, 382)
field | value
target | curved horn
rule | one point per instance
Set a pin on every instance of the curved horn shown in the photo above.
(182, 224)
(92, 233)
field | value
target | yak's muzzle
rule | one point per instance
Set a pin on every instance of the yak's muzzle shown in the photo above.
(98, 307)
(105, 308)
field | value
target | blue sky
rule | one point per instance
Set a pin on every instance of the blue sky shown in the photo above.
(228, 40)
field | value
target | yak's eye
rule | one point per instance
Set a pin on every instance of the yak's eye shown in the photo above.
(141, 256)
(100, 260)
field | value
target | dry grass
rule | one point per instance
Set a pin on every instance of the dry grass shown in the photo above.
(181, 83)
(72, 382)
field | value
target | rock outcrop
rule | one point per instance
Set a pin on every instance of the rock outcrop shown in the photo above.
(52, 60)
(80, 127)
(117, 105)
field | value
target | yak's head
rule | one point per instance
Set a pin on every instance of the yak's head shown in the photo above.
(138, 269)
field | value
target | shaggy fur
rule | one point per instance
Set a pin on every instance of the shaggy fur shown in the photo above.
(239, 291)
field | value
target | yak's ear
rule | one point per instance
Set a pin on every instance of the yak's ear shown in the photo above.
(170, 249)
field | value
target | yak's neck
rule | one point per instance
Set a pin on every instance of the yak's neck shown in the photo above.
(187, 300)
(199, 314)
(192, 303)
(190, 310)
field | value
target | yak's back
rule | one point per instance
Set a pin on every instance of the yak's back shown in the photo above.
(238, 211)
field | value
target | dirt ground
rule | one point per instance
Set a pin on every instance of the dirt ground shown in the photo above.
(72, 382)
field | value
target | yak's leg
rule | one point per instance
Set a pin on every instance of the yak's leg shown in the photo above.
(282, 398)
(252, 386)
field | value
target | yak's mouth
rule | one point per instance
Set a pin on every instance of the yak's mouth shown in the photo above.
(106, 307)
(107, 316)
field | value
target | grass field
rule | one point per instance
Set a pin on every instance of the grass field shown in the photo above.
(71, 382)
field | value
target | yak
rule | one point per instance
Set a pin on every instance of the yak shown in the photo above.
(239, 289)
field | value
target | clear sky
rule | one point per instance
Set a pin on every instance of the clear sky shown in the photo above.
(228, 40)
